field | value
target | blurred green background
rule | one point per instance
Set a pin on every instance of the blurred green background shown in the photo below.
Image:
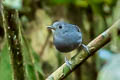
(40, 56)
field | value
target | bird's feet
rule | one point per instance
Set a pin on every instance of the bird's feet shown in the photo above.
(68, 63)
(86, 48)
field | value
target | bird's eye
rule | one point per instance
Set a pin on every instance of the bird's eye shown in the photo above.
(60, 27)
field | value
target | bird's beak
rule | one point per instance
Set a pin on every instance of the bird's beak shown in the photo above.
(51, 27)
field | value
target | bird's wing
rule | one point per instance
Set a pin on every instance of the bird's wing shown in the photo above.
(77, 28)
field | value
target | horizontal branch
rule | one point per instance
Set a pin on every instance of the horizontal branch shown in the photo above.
(77, 60)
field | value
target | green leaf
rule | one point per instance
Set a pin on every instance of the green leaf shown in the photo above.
(81, 3)
(5, 67)
(61, 1)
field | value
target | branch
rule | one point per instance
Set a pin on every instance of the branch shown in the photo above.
(77, 60)
(45, 44)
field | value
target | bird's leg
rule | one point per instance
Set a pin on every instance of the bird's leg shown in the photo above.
(85, 48)
(68, 63)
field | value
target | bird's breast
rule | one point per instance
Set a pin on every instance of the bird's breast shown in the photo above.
(65, 44)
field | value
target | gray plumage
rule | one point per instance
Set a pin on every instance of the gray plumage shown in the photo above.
(66, 37)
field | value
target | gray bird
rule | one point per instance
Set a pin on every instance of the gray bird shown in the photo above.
(66, 37)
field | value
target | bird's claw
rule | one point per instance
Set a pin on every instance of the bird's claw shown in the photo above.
(86, 48)
(68, 63)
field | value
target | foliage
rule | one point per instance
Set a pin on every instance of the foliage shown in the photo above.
(40, 58)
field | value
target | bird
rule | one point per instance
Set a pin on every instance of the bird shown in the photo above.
(66, 38)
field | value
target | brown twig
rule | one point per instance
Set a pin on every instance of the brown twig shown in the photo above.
(45, 44)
